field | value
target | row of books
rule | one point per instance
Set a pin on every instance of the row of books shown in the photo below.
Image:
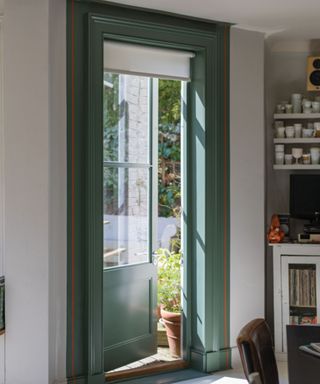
(302, 287)
(296, 320)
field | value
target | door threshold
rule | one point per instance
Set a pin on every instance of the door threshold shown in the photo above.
(151, 369)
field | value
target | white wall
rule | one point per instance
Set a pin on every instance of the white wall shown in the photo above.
(57, 190)
(246, 178)
(35, 189)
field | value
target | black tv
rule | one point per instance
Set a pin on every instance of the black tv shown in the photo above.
(305, 197)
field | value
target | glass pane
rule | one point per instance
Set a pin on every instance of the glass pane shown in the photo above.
(126, 224)
(126, 118)
(302, 294)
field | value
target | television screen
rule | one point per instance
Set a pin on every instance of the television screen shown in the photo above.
(304, 196)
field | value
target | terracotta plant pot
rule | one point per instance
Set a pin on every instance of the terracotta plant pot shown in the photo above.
(172, 323)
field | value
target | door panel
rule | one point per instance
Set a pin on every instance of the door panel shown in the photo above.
(129, 277)
(129, 316)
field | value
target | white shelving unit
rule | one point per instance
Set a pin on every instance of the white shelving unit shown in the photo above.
(302, 140)
(293, 141)
(299, 167)
(296, 116)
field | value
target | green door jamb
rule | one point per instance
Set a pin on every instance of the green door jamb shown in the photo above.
(206, 189)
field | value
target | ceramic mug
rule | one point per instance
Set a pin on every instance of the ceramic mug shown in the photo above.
(307, 103)
(307, 132)
(315, 106)
(289, 131)
(288, 158)
(280, 132)
(289, 108)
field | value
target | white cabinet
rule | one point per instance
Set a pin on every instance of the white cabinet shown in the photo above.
(296, 281)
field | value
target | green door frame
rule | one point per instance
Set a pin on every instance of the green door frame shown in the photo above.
(206, 211)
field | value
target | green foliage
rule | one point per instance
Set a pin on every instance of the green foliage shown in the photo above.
(169, 102)
(112, 115)
(169, 150)
(169, 278)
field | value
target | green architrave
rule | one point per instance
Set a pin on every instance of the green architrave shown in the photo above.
(206, 185)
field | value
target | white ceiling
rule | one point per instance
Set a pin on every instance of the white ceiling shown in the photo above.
(287, 18)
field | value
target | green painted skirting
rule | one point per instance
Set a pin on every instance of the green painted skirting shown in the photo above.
(211, 361)
(96, 379)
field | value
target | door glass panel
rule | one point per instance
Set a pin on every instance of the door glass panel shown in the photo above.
(302, 294)
(126, 222)
(126, 118)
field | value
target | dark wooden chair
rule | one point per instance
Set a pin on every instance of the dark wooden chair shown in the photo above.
(256, 352)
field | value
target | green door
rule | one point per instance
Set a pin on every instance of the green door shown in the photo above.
(130, 277)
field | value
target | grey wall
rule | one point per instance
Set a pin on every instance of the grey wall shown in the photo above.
(285, 73)
(246, 178)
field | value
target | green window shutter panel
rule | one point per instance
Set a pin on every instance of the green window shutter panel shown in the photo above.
(2, 322)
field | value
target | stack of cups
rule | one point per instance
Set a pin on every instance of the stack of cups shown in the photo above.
(296, 101)
(279, 154)
(297, 129)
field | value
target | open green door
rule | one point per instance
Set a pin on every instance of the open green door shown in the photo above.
(130, 277)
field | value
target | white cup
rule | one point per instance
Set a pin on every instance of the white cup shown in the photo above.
(279, 158)
(316, 125)
(315, 106)
(289, 108)
(280, 132)
(297, 129)
(288, 158)
(279, 148)
(307, 103)
(289, 131)
(315, 155)
(307, 132)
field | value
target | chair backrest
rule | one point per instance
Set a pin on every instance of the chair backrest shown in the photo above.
(256, 351)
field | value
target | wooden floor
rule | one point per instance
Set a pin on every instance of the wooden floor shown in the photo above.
(190, 376)
(158, 363)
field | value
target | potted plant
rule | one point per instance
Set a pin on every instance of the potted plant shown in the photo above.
(169, 294)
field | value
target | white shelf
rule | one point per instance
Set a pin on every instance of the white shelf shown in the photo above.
(280, 116)
(297, 167)
(302, 140)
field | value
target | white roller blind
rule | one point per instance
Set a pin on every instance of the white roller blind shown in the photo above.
(147, 61)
